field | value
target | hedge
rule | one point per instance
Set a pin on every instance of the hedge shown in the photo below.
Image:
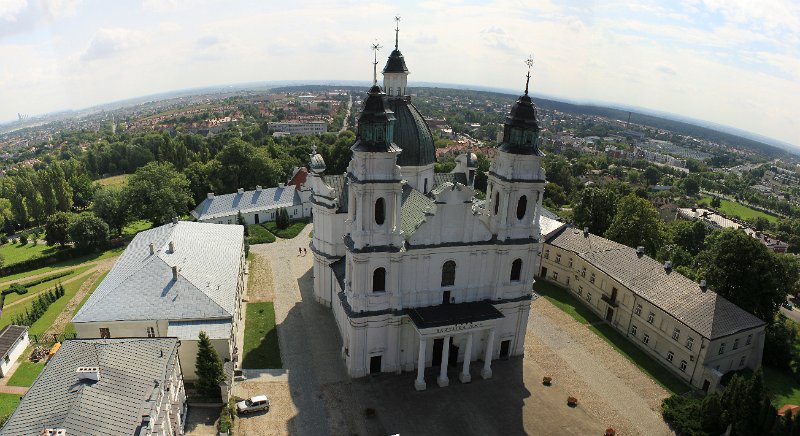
(42, 261)
(44, 279)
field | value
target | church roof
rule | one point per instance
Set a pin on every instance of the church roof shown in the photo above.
(374, 115)
(440, 179)
(414, 205)
(411, 134)
(396, 63)
(523, 119)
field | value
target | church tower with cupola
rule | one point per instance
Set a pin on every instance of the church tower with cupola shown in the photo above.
(516, 179)
(411, 134)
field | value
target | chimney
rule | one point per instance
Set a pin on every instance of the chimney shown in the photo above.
(175, 273)
(152, 249)
(703, 286)
(258, 187)
(210, 195)
(585, 231)
(668, 266)
(640, 251)
(171, 247)
(281, 185)
(240, 191)
(174, 220)
(88, 373)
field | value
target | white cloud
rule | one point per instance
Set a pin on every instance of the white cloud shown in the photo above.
(10, 8)
(107, 42)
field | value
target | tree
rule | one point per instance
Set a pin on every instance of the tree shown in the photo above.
(88, 231)
(689, 235)
(651, 175)
(743, 270)
(111, 206)
(240, 220)
(157, 192)
(282, 219)
(595, 208)
(636, 223)
(716, 202)
(209, 367)
(57, 228)
(82, 190)
(691, 185)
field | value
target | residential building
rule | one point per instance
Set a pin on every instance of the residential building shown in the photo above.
(175, 280)
(418, 272)
(105, 387)
(686, 327)
(258, 206)
(299, 127)
(13, 342)
(714, 220)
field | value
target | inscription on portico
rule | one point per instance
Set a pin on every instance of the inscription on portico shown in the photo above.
(459, 327)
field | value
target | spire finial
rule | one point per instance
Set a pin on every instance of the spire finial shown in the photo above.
(375, 48)
(529, 63)
(396, 30)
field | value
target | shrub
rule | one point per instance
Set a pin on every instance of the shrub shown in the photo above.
(4, 239)
(225, 421)
(23, 239)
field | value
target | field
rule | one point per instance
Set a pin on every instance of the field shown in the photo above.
(562, 299)
(13, 253)
(33, 290)
(731, 208)
(8, 402)
(116, 182)
(261, 349)
(67, 263)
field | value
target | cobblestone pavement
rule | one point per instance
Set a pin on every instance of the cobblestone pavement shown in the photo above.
(608, 385)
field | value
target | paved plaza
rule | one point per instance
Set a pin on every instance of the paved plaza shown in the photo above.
(312, 395)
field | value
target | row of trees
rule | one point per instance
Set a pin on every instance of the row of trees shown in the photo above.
(39, 306)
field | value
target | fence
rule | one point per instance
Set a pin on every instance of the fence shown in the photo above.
(51, 338)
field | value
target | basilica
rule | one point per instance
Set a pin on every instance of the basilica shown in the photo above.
(418, 271)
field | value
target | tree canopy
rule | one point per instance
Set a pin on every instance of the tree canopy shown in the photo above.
(158, 192)
(636, 222)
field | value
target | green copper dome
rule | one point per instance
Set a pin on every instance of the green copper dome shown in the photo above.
(411, 134)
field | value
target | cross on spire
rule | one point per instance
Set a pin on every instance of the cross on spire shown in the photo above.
(375, 48)
(396, 30)
(529, 63)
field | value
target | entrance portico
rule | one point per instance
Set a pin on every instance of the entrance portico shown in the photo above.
(465, 320)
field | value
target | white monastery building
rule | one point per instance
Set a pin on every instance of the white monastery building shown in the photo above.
(417, 271)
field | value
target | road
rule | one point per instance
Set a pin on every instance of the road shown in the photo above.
(347, 116)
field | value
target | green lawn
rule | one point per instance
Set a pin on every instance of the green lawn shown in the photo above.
(781, 387)
(295, 227)
(116, 182)
(731, 208)
(562, 299)
(26, 373)
(135, 227)
(259, 235)
(67, 263)
(70, 330)
(13, 253)
(8, 402)
(43, 323)
(261, 349)
(33, 290)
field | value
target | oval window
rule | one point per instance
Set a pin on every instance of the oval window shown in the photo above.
(380, 212)
(522, 205)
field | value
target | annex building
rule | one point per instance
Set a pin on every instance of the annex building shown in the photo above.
(175, 280)
(105, 387)
(688, 328)
(418, 272)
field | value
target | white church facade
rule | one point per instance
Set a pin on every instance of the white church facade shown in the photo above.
(418, 272)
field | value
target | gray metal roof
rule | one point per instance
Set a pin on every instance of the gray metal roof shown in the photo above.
(190, 330)
(140, 286)
(114, 405)
(707, 313)
(440, 179)
(248, 201)
(338, 184)
(9, 336)
(414, 205)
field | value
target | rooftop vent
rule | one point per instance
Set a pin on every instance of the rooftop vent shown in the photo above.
(258, 187)
(640, 251)
(210, 195)
(171, 247)
(152, 248)
(694, 209)
(88, 373)
(668, 265)
(53, 432)
(174, 273)
(703, 286)
(240, 191)
(281, 185)
(585, 231)
(174, 220)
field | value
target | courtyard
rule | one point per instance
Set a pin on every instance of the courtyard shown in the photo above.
(312, 394)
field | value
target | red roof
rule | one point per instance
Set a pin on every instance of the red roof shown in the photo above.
(299, 179)
(786, 407)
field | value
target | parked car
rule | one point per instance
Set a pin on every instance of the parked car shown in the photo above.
(254, 404)
(788, 305)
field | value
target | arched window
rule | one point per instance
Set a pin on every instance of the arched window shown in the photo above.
(496, 202)
(522, 205)
(380, 211)
(449, 273)
(398, 91)
(379, 280)
(516, 270)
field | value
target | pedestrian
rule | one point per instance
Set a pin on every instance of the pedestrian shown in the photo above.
(299, 251)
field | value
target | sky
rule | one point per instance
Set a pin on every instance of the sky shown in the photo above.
(733, 62)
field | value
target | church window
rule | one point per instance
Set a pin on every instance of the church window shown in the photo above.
(496, 202)
(390, 92)
(379, 280)
(398, 91)
(449, 273)
(380, 211)
(426, 185)
(522, 205)
(516, 270)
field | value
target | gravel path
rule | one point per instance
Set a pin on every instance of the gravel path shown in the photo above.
(259, 285)
(607, 385)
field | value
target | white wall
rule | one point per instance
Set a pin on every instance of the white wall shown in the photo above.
(13, 354)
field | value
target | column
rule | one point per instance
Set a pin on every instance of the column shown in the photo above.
(443, 380)
(486, 372)
(419, 384)
(464, 376)
(537, 214)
